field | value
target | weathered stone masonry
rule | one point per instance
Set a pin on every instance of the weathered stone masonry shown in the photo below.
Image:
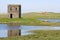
(14, 11)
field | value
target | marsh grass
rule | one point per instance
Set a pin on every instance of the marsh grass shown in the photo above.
(28, 21)
(31, 19)
(39, 35)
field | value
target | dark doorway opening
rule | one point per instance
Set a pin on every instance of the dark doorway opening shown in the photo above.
(10, 15)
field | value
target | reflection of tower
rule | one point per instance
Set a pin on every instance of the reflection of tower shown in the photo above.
(14, 29)
(13, 33)
(14, 11)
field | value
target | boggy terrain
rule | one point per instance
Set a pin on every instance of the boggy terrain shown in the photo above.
(32, 19)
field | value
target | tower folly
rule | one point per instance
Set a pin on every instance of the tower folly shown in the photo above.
(14, 11)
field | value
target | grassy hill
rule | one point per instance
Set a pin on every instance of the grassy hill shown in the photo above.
(3, 15)
(41, 15)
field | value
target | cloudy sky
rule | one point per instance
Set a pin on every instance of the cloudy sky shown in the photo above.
(32, 5)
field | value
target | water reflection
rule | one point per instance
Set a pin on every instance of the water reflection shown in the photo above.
(13, 26)
(3, 33)
(13, 29)
(14, 33)
(8, 30)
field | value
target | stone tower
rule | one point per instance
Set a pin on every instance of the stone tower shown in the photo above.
(14, 11)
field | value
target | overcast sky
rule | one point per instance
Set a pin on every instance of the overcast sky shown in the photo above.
(32, 5)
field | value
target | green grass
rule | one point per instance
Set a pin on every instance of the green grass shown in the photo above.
(39, 35)
(31, 19)
(28, 21)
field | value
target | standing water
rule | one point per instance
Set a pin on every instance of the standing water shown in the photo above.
(7, 30)
(49, 19)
